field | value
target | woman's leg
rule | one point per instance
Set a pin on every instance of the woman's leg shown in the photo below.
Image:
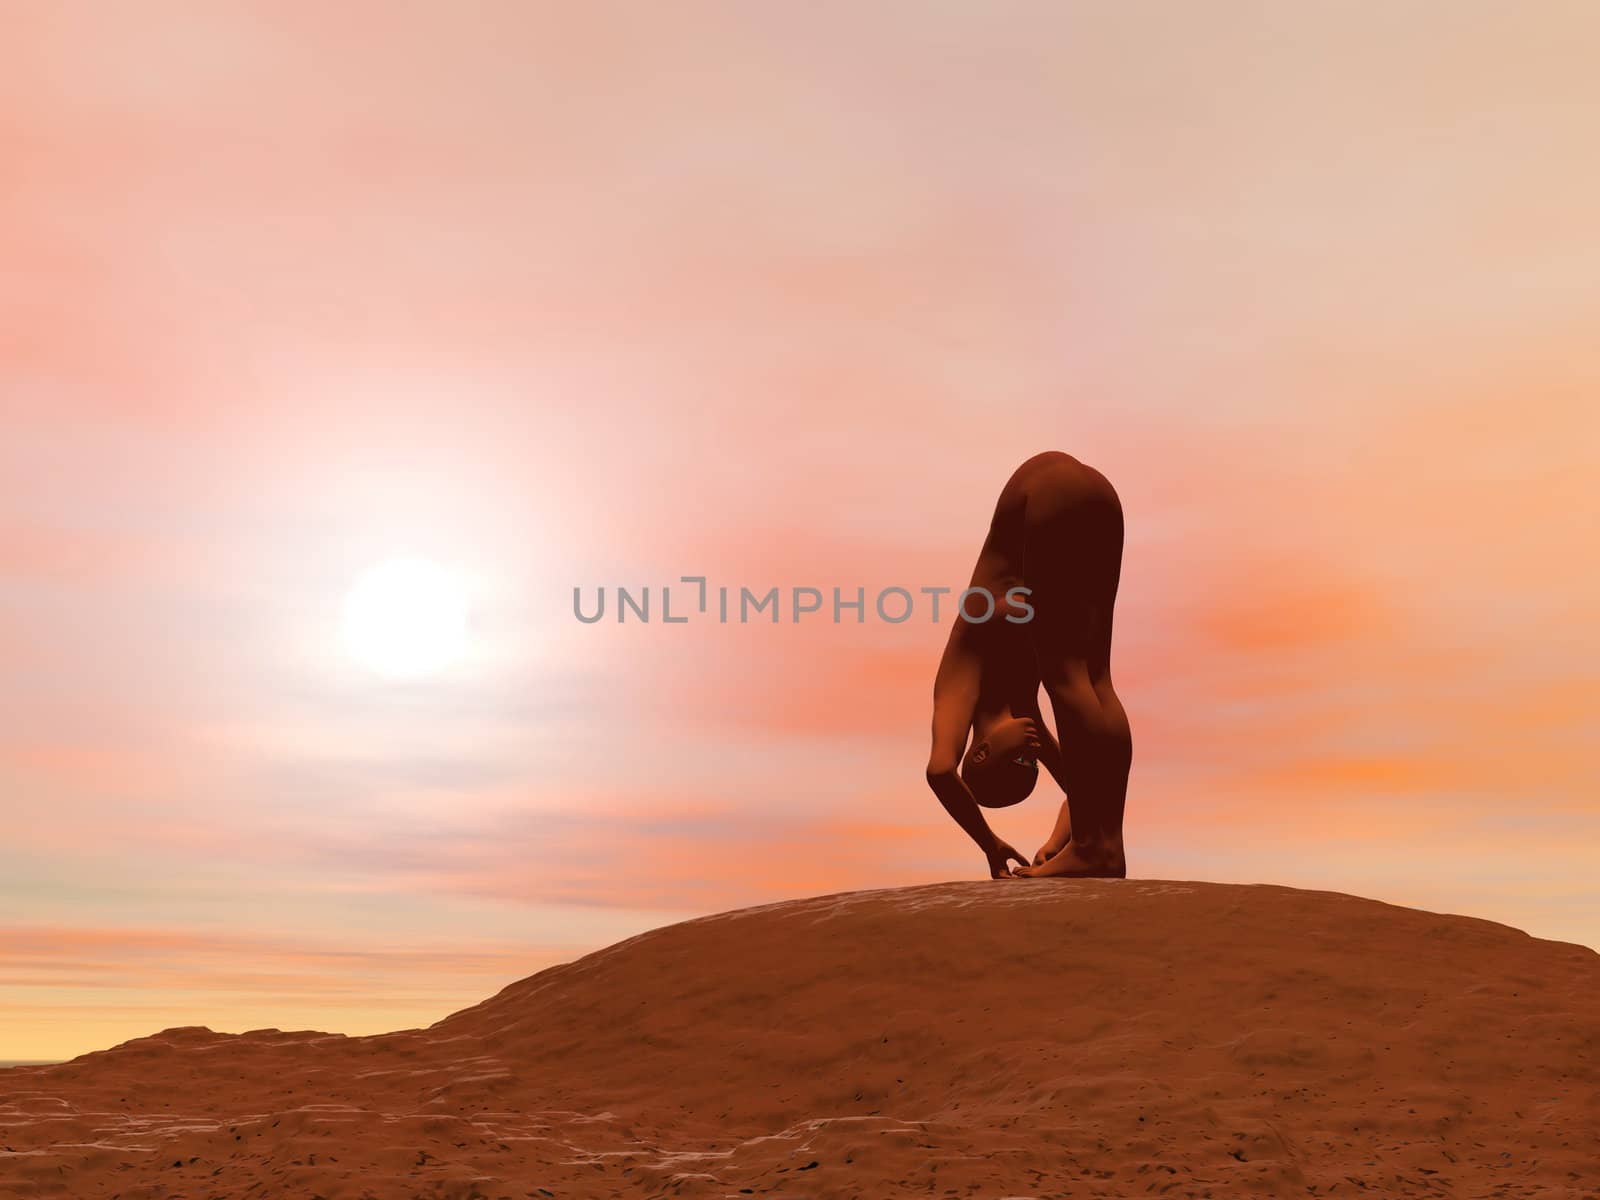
(1097, 752)
(1060, 835)
(1073, 563)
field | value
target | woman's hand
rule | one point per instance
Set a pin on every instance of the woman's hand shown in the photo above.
(999, 856)
(1045, 852)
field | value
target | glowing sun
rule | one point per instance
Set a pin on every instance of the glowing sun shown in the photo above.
(406, 617)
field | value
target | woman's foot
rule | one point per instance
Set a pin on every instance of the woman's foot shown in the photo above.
(1046, 851)
(1079, 861)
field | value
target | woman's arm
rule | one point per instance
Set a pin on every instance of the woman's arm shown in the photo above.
(955, 696)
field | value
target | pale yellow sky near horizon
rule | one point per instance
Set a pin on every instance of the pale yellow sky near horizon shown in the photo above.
(604, 294)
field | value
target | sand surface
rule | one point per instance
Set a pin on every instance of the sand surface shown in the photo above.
(1027, 1038)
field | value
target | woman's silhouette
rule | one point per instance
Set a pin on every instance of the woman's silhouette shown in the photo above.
(1056, 531)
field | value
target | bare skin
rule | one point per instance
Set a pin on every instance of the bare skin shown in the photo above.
(1057, 531)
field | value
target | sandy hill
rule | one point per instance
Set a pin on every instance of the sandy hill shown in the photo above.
(1038, 1038)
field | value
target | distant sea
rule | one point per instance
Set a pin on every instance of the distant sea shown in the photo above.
(27, 1062)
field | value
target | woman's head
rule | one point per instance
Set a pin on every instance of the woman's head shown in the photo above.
(1002, 765)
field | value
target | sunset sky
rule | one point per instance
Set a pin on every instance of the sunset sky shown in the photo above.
(583, 295)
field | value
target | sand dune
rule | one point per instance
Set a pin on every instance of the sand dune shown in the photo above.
(1035, 1038)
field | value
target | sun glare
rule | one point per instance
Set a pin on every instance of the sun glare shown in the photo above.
(406, 618)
